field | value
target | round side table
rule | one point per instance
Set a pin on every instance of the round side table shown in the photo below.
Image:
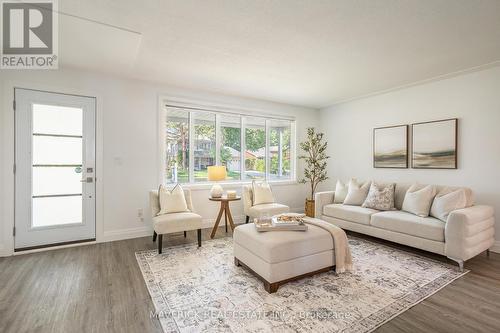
(224, 208)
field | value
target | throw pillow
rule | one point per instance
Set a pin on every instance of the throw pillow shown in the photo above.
(340, 192)
(172, 201)
(262, 193)
(380, 197)
(418, 199)
(357, 193)
(446, 201)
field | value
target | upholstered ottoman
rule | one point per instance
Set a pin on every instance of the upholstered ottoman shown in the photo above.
(278, 257)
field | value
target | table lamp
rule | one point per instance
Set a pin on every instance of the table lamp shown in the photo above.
(216, 173)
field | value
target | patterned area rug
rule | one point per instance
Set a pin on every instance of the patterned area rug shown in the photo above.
(200, 289)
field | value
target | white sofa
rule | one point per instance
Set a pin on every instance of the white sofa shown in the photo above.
(466, 233)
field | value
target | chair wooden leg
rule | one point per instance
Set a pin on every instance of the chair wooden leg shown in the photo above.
(154, 236)
(225, 218)
(199, 237)
(185, 235)
(247, 219)
(160, 239)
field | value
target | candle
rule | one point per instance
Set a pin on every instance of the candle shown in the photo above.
(231, 194)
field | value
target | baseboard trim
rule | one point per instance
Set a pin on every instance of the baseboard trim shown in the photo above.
(145, 231)
(297, 209)
(496, 247)
(4, 252)
(121, 234)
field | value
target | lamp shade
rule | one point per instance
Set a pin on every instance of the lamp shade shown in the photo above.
(216, 173)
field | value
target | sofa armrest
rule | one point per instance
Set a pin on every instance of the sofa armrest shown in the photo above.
(469, 231)
(322, 199)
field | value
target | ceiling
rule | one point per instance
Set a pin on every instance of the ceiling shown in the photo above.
(311, 53)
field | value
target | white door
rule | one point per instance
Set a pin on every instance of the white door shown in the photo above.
(54, 170)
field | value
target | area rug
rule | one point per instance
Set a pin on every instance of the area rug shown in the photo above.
(201, 290)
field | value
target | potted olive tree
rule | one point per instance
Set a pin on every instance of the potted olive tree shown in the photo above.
(315, 171)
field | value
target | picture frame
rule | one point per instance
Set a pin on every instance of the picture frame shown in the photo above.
(435, 144)
(390, 147)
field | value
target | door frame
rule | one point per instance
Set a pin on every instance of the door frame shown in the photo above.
(8, 177)
(28, 236)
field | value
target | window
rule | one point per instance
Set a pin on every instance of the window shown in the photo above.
(204, 144)
(279, 149)
(230, 148)
(177, 146)
(255, 152)
(250, 147)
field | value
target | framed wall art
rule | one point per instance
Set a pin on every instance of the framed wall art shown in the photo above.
(435, 144)
(390, 147)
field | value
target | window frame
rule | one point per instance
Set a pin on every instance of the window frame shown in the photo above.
(220, 109)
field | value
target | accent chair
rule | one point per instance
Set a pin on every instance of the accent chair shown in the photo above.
(173, 222)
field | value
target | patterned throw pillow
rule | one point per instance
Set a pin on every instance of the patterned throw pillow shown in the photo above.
(380, 197)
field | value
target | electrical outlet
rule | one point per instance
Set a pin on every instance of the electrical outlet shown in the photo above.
(140, 214)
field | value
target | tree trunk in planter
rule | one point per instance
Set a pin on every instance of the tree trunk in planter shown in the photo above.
(310, 208)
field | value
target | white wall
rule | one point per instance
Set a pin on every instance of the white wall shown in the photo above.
(474, 98)
(129, 167)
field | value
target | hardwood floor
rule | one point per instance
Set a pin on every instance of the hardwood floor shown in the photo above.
(99, 288)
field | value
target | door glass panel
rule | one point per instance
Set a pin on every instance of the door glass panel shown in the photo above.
(56, 180)
(53, 119)
(56, 211)
(57, 150)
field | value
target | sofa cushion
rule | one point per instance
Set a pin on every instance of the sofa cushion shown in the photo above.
(357, 192)
(418, 199)
(175, 222)
(340, 192)
(269, 209)
(446, 201)
(401, 189)
(407, 223)
(350, 213)
(275, 247)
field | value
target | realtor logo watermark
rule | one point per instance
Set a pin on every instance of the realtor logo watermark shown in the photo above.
(29, 35)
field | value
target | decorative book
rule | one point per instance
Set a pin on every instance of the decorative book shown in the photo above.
(284, 222)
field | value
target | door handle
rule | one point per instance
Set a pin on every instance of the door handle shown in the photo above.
(87, 180)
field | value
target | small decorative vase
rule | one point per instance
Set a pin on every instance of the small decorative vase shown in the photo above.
(310, 207)
(216, 191)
